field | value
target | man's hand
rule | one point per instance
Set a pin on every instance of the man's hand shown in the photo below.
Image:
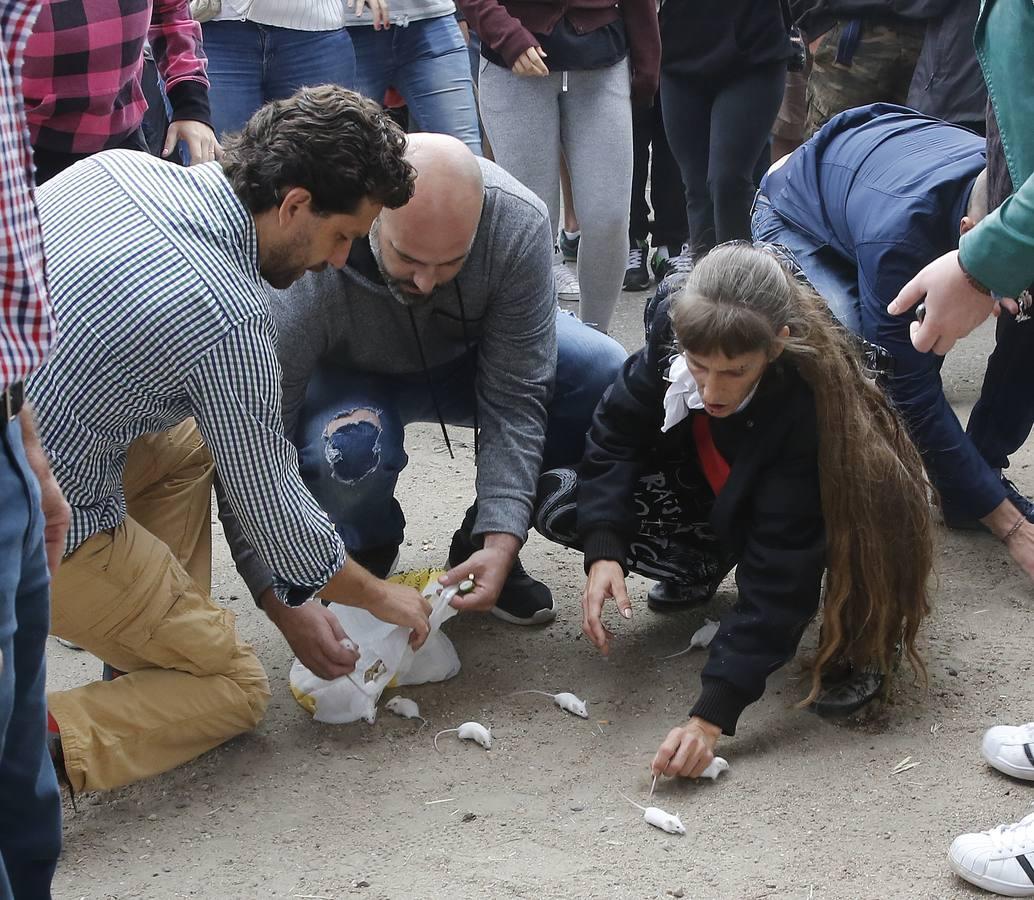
(606, 581)
(531, 63)
(687, 750)
(352, 585)
(379, 8)
(199, 137)
(489, 567)
(314, 634)
(953, 306)
(403, 606)
(57, 514)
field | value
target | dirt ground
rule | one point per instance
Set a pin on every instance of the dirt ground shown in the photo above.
(809, 809)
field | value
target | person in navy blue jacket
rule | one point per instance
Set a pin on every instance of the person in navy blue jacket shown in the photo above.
(746, 434)
(872, 198)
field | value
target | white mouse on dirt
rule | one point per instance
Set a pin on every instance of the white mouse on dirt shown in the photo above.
(568, 702)
(652, 815)
(702, 638)
(469, 731)
(404, 707)
(714, 768)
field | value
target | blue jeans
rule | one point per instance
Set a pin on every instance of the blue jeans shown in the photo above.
(427, 62)
(962, 466)
(251, 64)
(30, 805)
(358, 491)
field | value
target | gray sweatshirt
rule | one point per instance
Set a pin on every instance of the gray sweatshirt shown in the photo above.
(348, 318)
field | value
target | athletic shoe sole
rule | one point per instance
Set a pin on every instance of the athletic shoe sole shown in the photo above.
(988, 884)
(636, 285)
(542, 617)
(1007, 768)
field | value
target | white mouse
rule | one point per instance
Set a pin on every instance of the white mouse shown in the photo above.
(469, 731)
(652, 815)
(566, 701)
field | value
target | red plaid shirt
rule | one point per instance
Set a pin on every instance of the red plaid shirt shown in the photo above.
(83, 67)
(26, 325)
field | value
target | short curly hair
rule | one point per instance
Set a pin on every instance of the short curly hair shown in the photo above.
(336, 144)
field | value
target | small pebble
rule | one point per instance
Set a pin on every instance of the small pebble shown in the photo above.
(953, 672)
(577, 807)
(678, 892)
(361, 883)
(152, 818)
(469, 817)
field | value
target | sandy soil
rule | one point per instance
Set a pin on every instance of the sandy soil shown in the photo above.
(809, 808)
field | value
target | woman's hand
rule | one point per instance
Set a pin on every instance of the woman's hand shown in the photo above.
(531, 62)
(606, 581)
(687, 750)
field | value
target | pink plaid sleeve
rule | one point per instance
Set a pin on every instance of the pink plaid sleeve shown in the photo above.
(175, 39)
(26, 324)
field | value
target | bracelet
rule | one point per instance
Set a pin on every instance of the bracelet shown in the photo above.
(1014, 529)
(973, 283)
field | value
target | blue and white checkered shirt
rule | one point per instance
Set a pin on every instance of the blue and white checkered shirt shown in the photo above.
(155, 283)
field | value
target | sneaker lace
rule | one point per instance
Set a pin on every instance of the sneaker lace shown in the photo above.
(1014, 838)
(566, 280)
(635, 258)
(681, 264)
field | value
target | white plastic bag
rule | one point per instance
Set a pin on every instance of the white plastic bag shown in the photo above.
(385, 660)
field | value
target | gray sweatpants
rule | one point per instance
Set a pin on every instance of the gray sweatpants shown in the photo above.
(588, 116)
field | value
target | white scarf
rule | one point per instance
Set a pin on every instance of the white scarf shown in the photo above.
(683, 394)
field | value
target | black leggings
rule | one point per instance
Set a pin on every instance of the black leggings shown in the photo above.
(666, 192)
(717, 130)
(673, 540)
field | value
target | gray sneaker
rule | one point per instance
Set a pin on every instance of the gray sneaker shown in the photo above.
(566, 283)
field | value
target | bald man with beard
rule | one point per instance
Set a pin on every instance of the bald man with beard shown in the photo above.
(447, 313)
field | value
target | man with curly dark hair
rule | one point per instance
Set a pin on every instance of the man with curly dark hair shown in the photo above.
(165, 375)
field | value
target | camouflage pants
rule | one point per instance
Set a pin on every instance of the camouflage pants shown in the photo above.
(881, 70)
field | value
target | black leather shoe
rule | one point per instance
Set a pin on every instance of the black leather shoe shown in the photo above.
(523, 600)
(669, 596)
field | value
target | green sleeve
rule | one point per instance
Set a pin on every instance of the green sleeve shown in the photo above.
(999, 252)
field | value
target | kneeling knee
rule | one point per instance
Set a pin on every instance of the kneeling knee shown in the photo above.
(352, 444)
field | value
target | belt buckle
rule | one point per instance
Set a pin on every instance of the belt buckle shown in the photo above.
(13, 398)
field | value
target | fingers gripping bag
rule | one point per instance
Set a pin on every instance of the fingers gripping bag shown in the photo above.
(385, 657)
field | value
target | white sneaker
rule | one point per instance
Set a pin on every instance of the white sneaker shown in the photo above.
(567, 286)
(1000, 860)
(1010, 749)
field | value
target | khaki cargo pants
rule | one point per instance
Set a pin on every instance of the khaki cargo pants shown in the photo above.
(138, 598)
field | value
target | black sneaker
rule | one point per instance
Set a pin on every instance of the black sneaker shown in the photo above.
(669, 596)
(961, 522)
(848, 693)
(663, 260)
(1017, 499)
(568, 245)
(637, 271)
(523, 599)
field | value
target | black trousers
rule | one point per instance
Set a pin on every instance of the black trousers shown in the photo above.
(667, 196)
(718, 130)
(673, 542)
(50, 162)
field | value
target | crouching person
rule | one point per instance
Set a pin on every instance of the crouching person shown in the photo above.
(166, 373)
(745, 434)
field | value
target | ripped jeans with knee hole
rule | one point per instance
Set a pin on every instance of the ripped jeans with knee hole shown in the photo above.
(351, 432)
